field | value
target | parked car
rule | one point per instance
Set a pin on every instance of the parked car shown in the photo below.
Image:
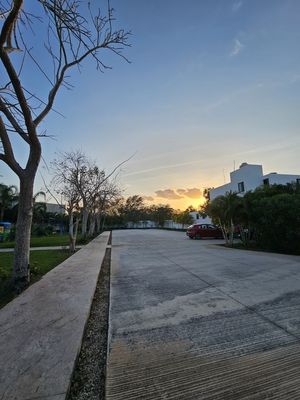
(200, 231)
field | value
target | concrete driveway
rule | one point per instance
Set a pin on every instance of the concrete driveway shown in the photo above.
(194, 320)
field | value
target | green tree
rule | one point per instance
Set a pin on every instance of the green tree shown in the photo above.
(161, 213)
(226, 211)
(8, 197)
(273, 217)
(183, 217)
(133, 209)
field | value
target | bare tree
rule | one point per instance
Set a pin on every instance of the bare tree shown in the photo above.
(69, 174)
(103, 199)
(73, 33)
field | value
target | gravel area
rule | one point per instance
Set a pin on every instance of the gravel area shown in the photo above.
(88, 381)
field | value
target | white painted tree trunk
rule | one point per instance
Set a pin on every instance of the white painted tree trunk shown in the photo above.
(73, 229)
(92, 225)
(85, 216)
(98, 223)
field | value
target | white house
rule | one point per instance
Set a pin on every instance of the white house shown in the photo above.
(198, 219)
(249, 177)
(55, 208)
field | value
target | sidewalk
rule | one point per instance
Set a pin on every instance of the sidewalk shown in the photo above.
(42, 329)
(11, 250)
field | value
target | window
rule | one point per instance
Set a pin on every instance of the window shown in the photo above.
(298, 181)
(197, 216)
(266, 182)
(241, 187)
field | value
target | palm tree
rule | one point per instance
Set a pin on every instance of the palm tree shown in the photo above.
(226, 211)
(8, 196)
(39, 208)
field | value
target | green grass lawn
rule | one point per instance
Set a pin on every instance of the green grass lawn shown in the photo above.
(53, 240)
(40, 263)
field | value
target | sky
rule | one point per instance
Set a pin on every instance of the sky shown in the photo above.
(210, 84)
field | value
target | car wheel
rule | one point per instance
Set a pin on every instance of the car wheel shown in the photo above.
(198, 237)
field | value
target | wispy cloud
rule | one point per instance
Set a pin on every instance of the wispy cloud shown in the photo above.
(237, 48)
(236, 5)
(162, 167)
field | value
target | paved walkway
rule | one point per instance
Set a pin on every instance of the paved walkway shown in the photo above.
(41, 330)
(11, 250)
(192, 320)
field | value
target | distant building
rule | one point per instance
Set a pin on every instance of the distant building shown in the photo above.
(141, 224)
(249, 177)
(198, 219)
(55, 208)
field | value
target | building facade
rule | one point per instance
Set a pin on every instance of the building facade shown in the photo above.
(249, 177)
(55, 208)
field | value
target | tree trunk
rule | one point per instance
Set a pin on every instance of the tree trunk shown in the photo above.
(85, 215)
(231, 232)
(73, 228)
(103, 222)
(223, 229)
(21, 270)
(92, 225)
(2, 214)
(98, 223)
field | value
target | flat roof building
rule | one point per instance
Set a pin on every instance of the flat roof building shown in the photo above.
(249, 177)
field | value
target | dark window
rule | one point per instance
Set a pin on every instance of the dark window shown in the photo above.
(241, 187)
(197, 216)
(266, 182)
(298, 181)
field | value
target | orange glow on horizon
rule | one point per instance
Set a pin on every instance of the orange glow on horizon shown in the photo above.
(180, 204)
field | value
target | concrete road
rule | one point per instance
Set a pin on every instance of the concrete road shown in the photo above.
(194, 320)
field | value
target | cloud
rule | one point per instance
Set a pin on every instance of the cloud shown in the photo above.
(145, 171)
(237, 48)
(236, 6)
(169, 194)
(193, 193)
(148, 198)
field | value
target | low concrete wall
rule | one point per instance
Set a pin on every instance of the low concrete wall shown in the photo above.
(42, 329)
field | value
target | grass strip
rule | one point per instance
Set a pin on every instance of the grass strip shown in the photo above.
(41, 262)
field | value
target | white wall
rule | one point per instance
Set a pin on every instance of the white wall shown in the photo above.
(281, 179)
(252, 177)
(198, 219)
(55, 208)
(250, 174)
(219, 191)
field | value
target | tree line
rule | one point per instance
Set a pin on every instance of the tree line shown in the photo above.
(134, 210)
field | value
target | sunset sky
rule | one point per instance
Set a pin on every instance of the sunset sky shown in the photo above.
(211, 84)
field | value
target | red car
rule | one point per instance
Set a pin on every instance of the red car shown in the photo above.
(200, 231)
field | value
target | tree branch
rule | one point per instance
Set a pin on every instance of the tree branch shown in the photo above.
(13, 121)
(9, 24)
(8, 156)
